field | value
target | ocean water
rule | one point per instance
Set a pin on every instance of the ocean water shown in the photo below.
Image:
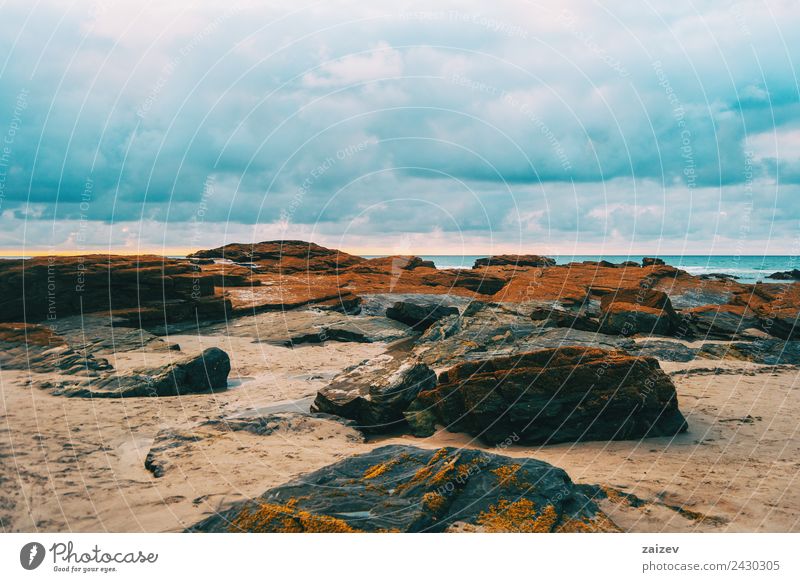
(746, 269)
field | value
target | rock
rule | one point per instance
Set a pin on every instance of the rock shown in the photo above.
(793, 275)
(558, 317)
(639, 310)
(37, 348)
(638, 296)
(718, 277)
(481, 329)
(49, 288)
(549, 396)
(664, 350)
(207, 372)
(302, 326)
(629, 319)
(377, 303)
(391, 264)
(419, 316)
(289, 256)
(376, 392)
(407, 489)
(771, 352)
(514, 261)
(652, 262)
(441, 329)
(723, 321)
(482, 283)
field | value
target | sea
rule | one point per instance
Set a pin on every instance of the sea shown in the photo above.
(746, 269)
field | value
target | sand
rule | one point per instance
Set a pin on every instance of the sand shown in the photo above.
(71, 464)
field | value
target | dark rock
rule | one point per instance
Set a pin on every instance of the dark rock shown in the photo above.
(419, 316)
(723, 321)
(37, 348)
(771, 352)
(406, 489)
(667, 351)
(376, 392)
(652, 262)
(718, 277)
(793, 275)
(207, 372)
(481, 329)
(377, 303)
(560, 395)
(514, 261)
(312, 326)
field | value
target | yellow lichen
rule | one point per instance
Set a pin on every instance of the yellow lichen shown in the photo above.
(599, 523)
(518, 517)
(507, 474)
(287, 518)
(433, 502)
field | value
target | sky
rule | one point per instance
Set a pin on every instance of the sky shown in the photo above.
(470, 127)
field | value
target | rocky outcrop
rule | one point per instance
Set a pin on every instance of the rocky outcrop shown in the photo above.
(37, 348)
(207, 372)
(549, 396)
(639, 310)
(289, 256)
(514, 261)
(554, 316)
(376, 392)
(793, 275)
(652, 262)
(418, 315)
(391, 264)
(49, 288)
(407, 489)
(479, 282)
(771, 352)
(723, 321)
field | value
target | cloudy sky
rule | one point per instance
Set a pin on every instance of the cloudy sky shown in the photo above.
(392, 127)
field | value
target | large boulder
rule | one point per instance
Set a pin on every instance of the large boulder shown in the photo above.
(418, 315)
(514, 261)
(407, 489)
(207, 372)
(557, 395)
(376, 392)
(638, 310)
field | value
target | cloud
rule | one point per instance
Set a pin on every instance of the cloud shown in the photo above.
(576, 123)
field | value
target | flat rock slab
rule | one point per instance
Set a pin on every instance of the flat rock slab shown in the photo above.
(205, 373)
(298, 327)
(407, 489)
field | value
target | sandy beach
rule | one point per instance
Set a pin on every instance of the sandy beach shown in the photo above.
(76, 464)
